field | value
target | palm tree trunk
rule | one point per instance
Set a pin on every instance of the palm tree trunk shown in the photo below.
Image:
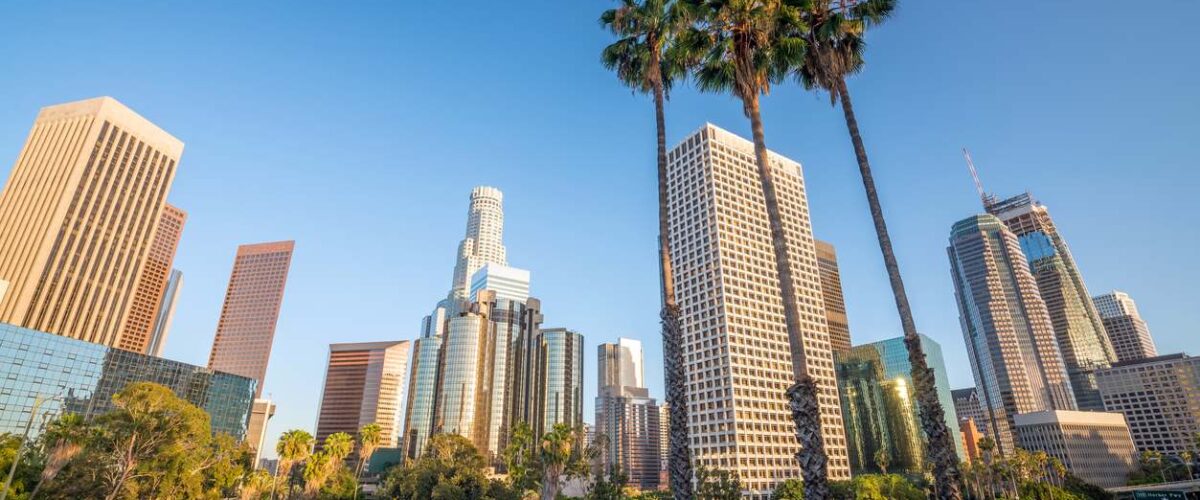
(940, 446)
(679, 455)
(802, 395)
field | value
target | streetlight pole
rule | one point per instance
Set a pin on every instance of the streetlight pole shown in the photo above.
(37, 402)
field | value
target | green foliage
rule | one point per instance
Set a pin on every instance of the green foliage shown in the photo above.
(792, 489)
(1044, 491)
(520, 461)
(341, 486)
(608, 488)
(885, 487)
(450, 468)
(717, 484)
(1085, 490)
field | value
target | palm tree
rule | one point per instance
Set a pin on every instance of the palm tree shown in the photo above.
(747, 46)
(835, 51)
(369, 438)
(882, 460)
(338, 445)
(317, 470)
(66, 437)
(294, 446)
(555, 456)
(644, 58)
(1187, 457)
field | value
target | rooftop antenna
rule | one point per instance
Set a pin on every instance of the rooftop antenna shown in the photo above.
(987, 199)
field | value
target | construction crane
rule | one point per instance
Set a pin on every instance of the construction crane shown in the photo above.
(987, 199)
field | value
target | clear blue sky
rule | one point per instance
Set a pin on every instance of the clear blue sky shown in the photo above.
(358, 129)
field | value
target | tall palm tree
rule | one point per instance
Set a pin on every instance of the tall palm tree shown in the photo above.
(317, 470)
(835, 50)
(369, 439)
(294, 446)
(747, 46)
(66, 437)
(645, 59)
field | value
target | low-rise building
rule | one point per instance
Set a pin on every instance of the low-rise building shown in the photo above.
(1160, 398)
(1095, 446)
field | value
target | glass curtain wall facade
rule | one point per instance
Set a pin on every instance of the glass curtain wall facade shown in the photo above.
(1077, 324)
(879, 404)
(1010, 339)
(82, 377)
(561, 363)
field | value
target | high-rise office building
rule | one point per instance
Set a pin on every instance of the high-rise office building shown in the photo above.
(627, 417)
(739, 359)
(364, 384)
(151, 288)
(1094, 446)
(560, 384)
(967, 406)
(1160, 398)
(831, 293)
(484, 241)
(423, 383)
(165, 314)
(246, 329)
(1009, 335)
(508, 283)
(879, 404)
(1128, 333)
(462, 403)
(1077, 325)
(78, 216)
(86, 375)
(256, 431)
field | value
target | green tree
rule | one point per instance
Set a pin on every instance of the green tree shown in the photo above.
(717, 484)
(369, 439)
(520, 459)
(256, 485)
(64, 440)
(610, 487)
(450, 468)
(294, 446)
(885, 487)
(882, 460)
(747, 46)
(561, 455)
(792, 489)
(834, 39)
(645, 58)
(317, 469)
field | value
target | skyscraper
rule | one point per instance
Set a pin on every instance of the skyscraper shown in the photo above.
(246, 329)
(879, 404)
(560, 384)
(967, 407)
(165, 314)
(78, 216)
(148, 297)
(1128, 333)
(1077, 325)
(1160, 398)
(831, 293)
(364, 384)
(627, 417)
(739, 360)
(423, 383)
(484, 241)
(256, 432)
(1093, 445)
(1009, 336)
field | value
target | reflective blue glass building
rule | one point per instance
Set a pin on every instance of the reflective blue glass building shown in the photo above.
(879, 405)
(81, 377)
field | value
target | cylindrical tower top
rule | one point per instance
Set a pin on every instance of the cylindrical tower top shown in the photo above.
(487, 192)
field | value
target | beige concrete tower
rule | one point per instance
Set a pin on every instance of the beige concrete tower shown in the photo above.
(831, 292)
(739, 359)
(247, 326)
(364, 384)
(78, 216)
(151, 288)
(484, 242)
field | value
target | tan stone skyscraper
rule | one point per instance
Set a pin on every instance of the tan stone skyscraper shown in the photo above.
(739, 359)
(364, 384)
(484, 241)
(151, 287)
(831, 293)
(78, 216)
(247, 326)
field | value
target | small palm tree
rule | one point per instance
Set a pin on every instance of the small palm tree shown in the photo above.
(257, 483)
(555, 453)
(646, 59)
(747, 46)
(835, 51)
(317, 470)
(338, 445)
(66, 437)
(882, 460)
(369, 439)
(1187, 457)
(294, 446)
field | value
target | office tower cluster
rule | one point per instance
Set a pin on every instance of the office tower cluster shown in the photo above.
(87, 250)
(628, 420)
(484, 363)
(739, 363)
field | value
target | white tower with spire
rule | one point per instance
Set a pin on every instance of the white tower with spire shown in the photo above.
(484, 241)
